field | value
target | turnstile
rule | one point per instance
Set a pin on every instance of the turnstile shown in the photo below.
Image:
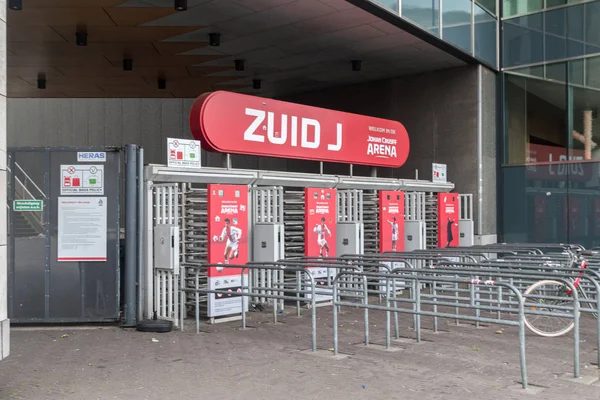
(414, 217)
(371, 222)
(195, 239)
(268, 244)
(350, 222)
(465, 220)
(431, 221)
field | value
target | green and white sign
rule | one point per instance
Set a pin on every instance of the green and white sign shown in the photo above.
(28, 205)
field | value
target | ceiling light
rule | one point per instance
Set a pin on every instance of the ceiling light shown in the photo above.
(181, 5)
(81, 38)
(127, 64)
(239, 65)
(41, 82)
(256, 83)
(162, 83)
(214, 39)
(356, 65)
(15, 5)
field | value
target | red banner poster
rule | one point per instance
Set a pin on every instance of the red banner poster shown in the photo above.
(228, 244)
(539, 218)
(391, 221)
(320, 208)
(448, 234)
(572, 216)
(597, 218)
(320, 221)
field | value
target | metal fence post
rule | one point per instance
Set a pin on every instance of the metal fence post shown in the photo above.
(130, 234)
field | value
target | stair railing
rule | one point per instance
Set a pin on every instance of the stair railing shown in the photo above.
(23, 192)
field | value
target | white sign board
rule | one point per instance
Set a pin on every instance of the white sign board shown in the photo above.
(81, 180)
(438, 173)
(183, 153)
(82, 229)
(91, 156)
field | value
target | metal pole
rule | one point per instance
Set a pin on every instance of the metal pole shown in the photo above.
(140, 231)
(479, 150)
(130, 234)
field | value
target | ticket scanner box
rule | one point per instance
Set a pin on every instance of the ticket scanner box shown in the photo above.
(350, 238)
(268, 243)
(166, 247)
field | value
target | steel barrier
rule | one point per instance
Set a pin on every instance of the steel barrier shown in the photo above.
(247, 291)
(532, 273)
(417, 311)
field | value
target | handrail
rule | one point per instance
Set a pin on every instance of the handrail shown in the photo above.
(30, 180)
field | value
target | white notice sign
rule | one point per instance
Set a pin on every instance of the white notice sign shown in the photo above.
(82, 229)
(81, 180)
(183, 153)
(439, 173)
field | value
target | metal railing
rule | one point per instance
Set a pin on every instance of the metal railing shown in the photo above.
(305, 293)
(22, 192)
(416, 301)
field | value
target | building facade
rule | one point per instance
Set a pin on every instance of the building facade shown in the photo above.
(504, 92)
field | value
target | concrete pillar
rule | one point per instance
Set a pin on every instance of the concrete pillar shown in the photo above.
(4, 322)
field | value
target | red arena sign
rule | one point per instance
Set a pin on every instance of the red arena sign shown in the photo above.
(240, 124)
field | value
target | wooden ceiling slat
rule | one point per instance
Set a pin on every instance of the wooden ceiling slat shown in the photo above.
(33, 72)
(30, 16)
(126, 33)
(56, 61)
(69, 3)
(131, 81)
(129, 16)
(111, 50)
(167, 61)
(197, 71)
(37, 34)
(170, 48)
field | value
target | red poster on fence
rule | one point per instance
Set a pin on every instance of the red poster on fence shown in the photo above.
(320, 208)
(539, 218)
(572, 215)
(391, 221)
(228, 244)
(448, 220)
(320, 221)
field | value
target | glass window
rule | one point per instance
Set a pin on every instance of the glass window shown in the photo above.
(537, 70)
(552, 203)
(555, 34)
(516, 7)
(424, 13)
(391, 4)
(489, 5)
(523, 40)
(456, 23)
(592, 72)
(485, 36)
(536, 115)
(556, 72)
(592, 27)
(576, 72)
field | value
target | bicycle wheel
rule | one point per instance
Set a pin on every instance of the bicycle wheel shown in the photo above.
(545, 325)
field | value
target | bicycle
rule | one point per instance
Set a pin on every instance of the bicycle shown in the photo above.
(554, 290)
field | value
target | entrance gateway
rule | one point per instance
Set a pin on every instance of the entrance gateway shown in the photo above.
(219, 216)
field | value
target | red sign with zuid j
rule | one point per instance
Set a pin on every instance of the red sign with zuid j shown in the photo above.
(240, 124)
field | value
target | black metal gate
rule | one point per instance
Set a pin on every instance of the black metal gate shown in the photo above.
(60, 202)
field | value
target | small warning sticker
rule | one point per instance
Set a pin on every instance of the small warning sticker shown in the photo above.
(82, 179)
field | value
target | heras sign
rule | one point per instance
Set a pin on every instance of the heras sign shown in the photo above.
(240, 124)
